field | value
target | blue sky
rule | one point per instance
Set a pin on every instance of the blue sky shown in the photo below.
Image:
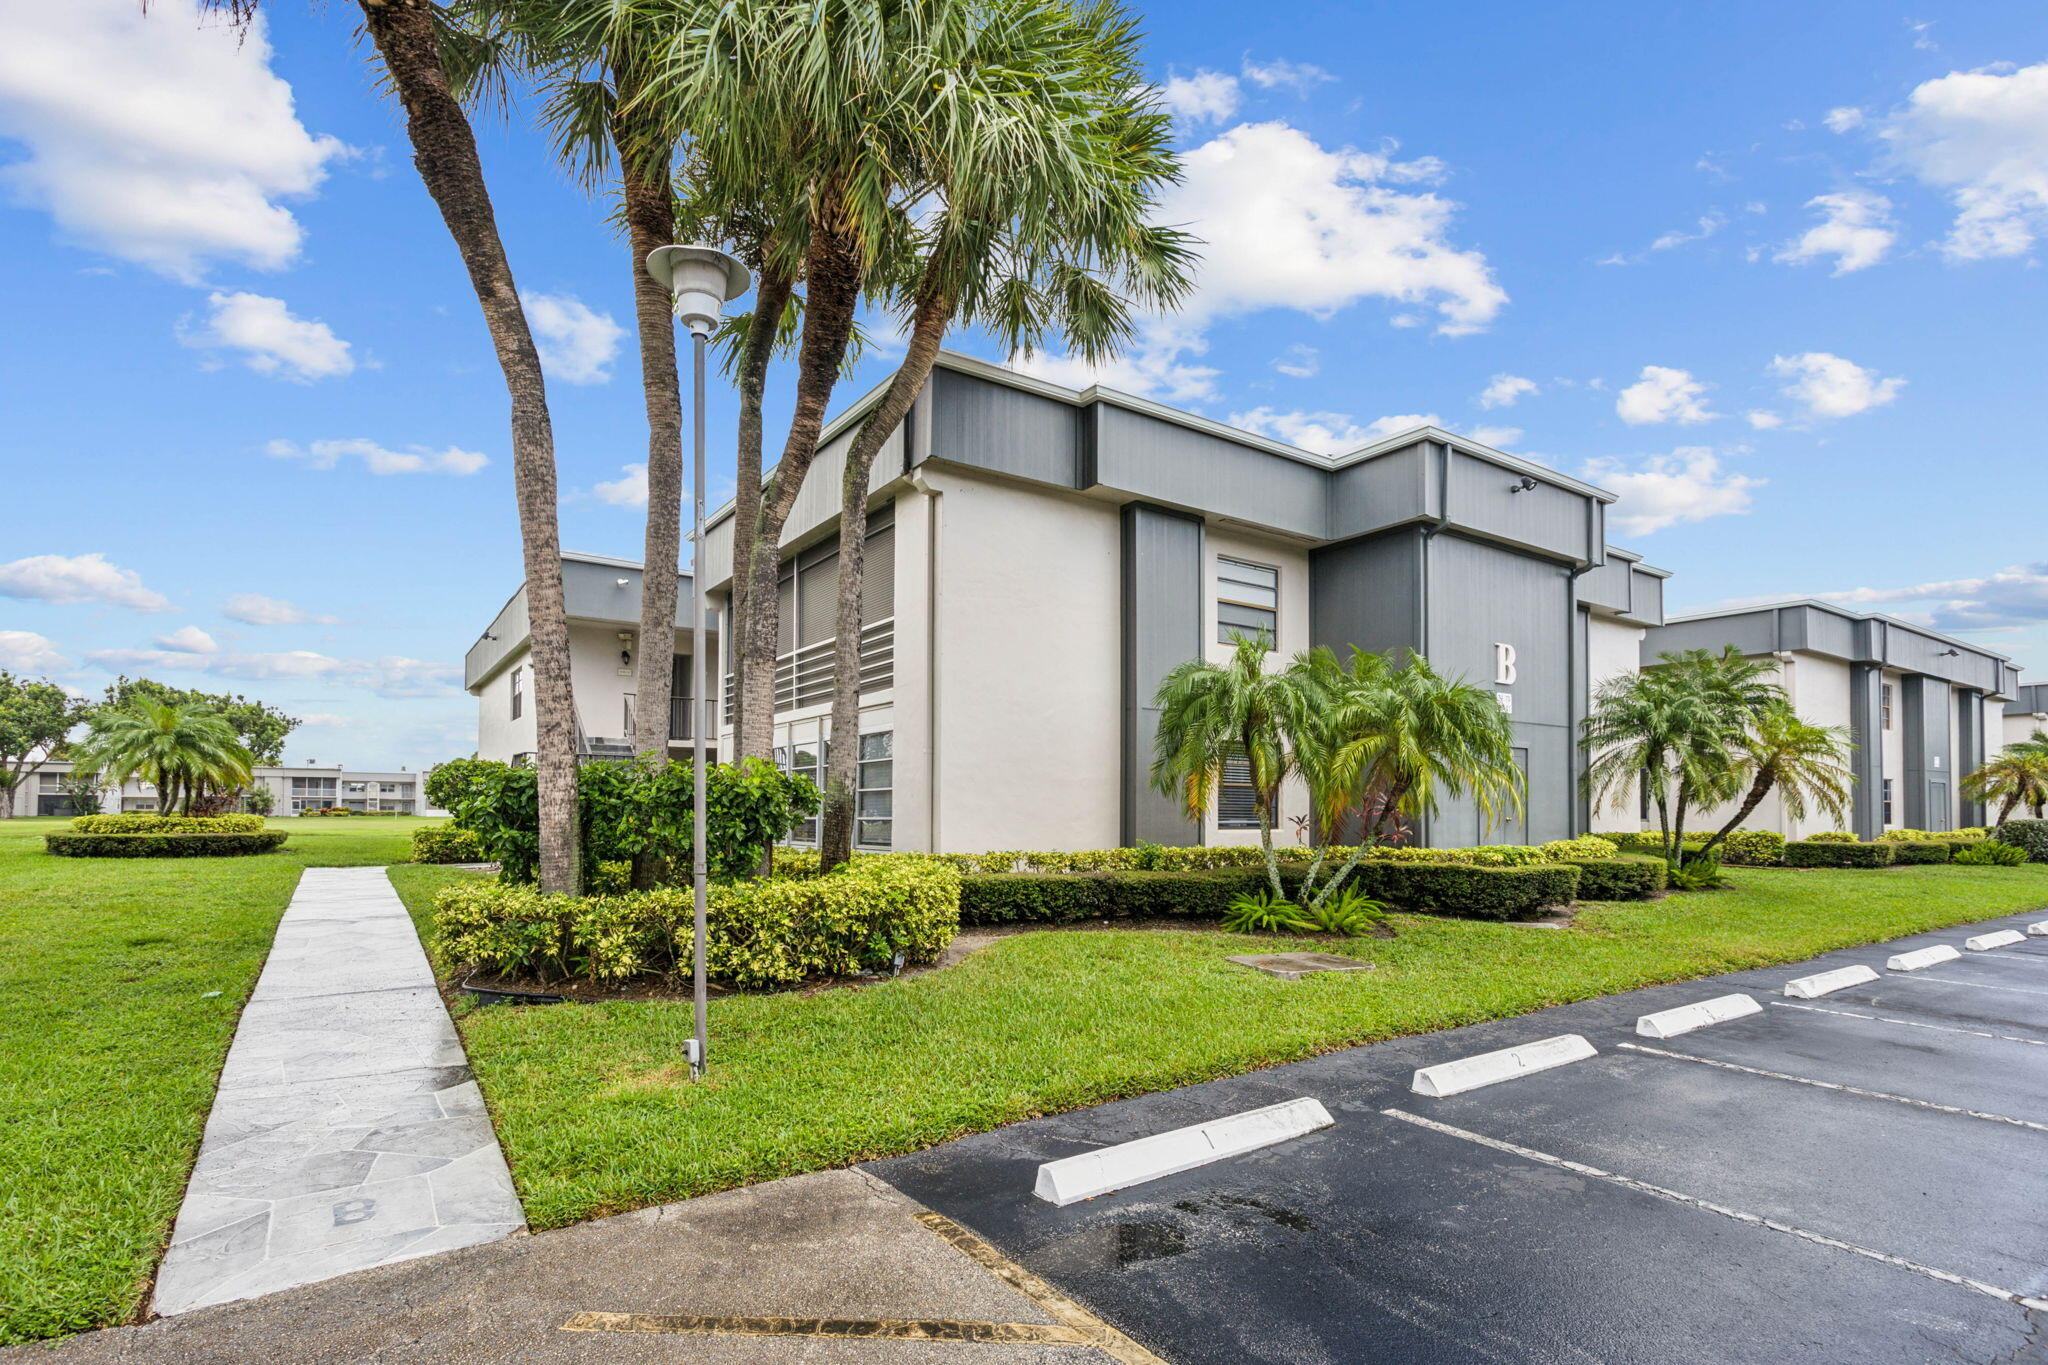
(1770, 272)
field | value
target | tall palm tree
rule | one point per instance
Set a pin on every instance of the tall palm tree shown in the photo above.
(2018, 776)
(1674, 729)
(1035, 175)
(184, 749)
(589, 60)
(1806, 764)
(1211, 715)
(408, 38)
(1391, 743)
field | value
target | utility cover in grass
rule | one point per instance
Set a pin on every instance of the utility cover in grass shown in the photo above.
(1288, 966)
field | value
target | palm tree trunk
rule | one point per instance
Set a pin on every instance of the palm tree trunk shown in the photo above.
(444, 150)
(650, 223)
(753, 730)
(1758, 790)
(842, 765)
(832, 273)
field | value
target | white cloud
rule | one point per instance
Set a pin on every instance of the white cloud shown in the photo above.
(188, 640)
(1708, 225)
(576, 342)
(78, 578)
(1657, 491)
(159, 137)
(1299, 362)
(1504, 389)
(254, 609)
(271, 339)
(1845, 119)
(628, 490)
(1830, 386)
(1289, 223)
(1299, 77)
(1763, 420)
(1855, 228)
(1663, 394)
(390, 676)
(379, 459)
(1500, 438)
(1334, 433)
(2016, 596)
(1205, 97)
(1983, 137)
(24, 651)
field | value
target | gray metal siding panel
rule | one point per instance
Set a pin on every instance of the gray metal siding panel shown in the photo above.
(991, 426)
(1827, 633)
(1367, 593)
(1866, 702)
(1544, 517)
(1385, 491)
(1752, 632)
(1480, 595)
(1161, 462)
(1970, 716)
(1647, 599)
(1929, 766)
(1607, 585)
(1162, 628)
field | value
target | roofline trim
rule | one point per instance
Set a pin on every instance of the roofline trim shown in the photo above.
(1928, 631)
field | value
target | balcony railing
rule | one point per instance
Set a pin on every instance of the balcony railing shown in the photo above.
(679, 709)
(803, 677)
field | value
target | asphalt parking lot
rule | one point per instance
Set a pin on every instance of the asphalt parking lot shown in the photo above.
(1858, 1177)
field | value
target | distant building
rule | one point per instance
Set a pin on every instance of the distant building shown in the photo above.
(294, 791)
(2024, 714)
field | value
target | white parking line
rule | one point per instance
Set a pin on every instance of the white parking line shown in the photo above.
(2035, 958)
(1980, 985)
(1707, 1206)
(1844, 1089)
(1909, 1023)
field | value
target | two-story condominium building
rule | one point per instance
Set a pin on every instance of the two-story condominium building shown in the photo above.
(1039, 557)
(294, 790)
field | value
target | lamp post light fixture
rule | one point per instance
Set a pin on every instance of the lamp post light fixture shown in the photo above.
(700, 280)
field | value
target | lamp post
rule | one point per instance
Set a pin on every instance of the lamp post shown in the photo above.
(700, 280)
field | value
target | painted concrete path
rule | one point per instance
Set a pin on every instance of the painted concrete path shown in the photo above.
(348, 1132)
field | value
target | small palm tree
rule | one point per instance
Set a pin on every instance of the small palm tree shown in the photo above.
(1676, 730)
(184, 750)
(1214, 714)
(2017, 776)
(1806, 764)
(1392, 743)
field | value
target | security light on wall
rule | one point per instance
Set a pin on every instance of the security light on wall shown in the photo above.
(1950, 654)
(1523, 485)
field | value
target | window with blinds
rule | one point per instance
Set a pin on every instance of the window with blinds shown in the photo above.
(1237, 802)
(1247, 601)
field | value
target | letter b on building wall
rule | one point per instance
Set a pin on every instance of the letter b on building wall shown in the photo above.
(1503, 664)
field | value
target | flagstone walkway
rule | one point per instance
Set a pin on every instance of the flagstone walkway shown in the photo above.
(348, 1131)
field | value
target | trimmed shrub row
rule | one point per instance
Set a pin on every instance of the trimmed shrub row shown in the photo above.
(447, 844)
(1820, 852)
(142, 823)
(2030, 836)
(1620, 879)
(769, 933)
(1912, 851)
(199, 845)
(1742, 848)
(1474, 892)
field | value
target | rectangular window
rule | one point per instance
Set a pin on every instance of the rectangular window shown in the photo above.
(806, 760)
(874, 814)
(518, 692)
(1887, 794)
(1247, 601)
(1887, 706)
(1237, 805)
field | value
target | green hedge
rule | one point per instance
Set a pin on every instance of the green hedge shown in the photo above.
(774, 932)
(1742, 847)
(447, 844)
(198, 845)
(1586, 846)
(1063, 897)
(2028, 835)
(140, 823)
(1924, 850)
(1620, 879)
(1951, 837)
(1833, 836)
(1835, 853)
(1494, 893)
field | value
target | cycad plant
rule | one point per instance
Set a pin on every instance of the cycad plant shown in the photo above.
(185, 750)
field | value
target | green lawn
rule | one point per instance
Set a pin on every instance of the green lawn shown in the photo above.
(120, 983)
(597, 1115)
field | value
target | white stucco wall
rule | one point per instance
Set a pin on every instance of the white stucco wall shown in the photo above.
(499, 734)
(1026, 671)
(2010, 729)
